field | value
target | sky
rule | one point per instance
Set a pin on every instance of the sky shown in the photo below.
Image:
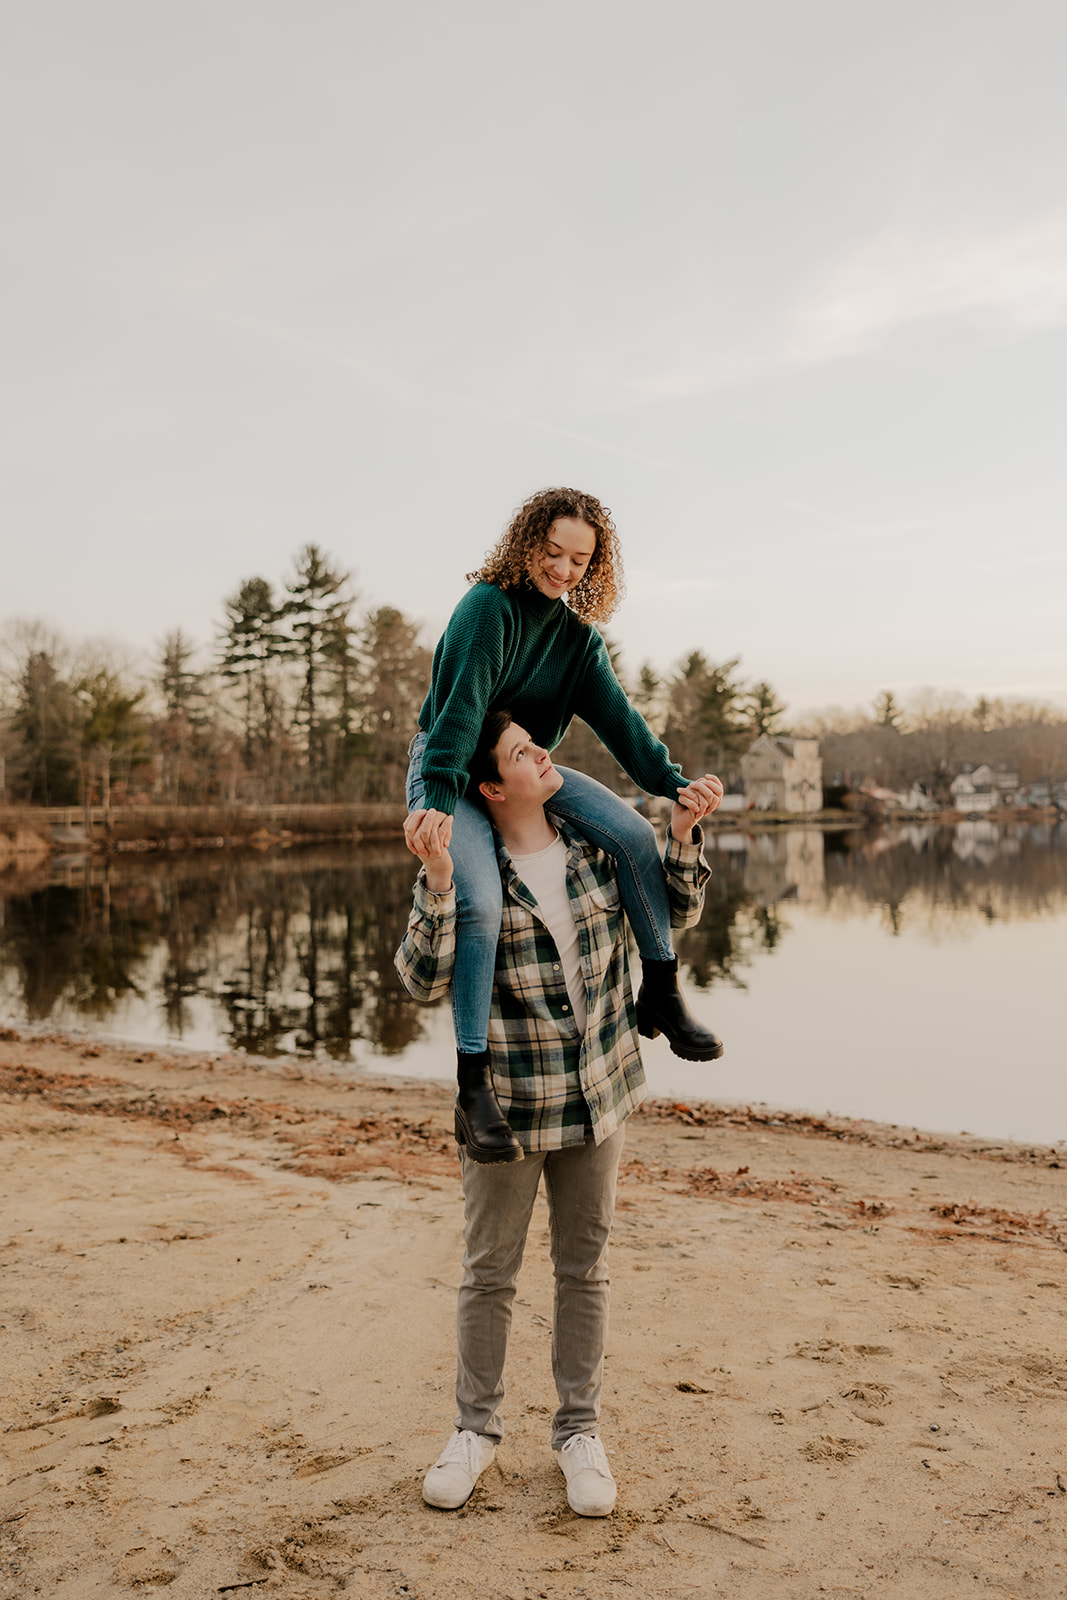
(784, 285)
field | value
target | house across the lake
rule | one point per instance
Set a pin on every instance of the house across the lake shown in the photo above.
(783, 774)
(982, 787)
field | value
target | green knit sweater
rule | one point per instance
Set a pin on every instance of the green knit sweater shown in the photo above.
(516, 648)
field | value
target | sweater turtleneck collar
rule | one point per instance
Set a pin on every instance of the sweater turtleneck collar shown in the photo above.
(532, 600)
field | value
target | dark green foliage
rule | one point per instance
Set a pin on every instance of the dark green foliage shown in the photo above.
(46, 735)
(317, 632)
(706, 729)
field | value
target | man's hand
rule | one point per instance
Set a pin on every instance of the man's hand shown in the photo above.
(698, 799)
(434, 857)
(681, 824)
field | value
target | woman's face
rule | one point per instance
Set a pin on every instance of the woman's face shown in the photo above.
(564, 557)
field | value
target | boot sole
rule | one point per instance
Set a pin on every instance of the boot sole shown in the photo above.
(648, 1030)
(477, 1152)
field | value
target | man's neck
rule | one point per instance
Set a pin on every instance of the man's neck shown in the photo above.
(524, 829)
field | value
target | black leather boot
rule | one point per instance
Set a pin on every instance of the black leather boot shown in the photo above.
(480, 1124)
(661, 1008)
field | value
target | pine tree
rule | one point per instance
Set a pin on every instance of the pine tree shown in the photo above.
(113, 730)
(705, 728)
(763, 709)
(182, 688)
(250, 642)
(395, 677)
(183, 733)
(887, 714)
(45, 726)
(314, 615)
(648, 696)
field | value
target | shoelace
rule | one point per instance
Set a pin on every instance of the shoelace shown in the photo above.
(465, 1448)
(587, 1452)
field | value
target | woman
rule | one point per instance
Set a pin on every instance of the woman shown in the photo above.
(523, 636)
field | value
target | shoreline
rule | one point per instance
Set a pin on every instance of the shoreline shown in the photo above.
(706, 1110)
(30, 835)
(835, 1363)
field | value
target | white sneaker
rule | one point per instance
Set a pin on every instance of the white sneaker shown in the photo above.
(450, 1481)
(590, 1486)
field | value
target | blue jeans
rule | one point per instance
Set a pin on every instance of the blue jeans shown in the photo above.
(596, 813)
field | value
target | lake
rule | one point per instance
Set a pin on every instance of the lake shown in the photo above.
(912, 975)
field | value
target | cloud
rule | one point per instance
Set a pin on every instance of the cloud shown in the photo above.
(1016, 278)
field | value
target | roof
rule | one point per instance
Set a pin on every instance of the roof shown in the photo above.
(784, 747)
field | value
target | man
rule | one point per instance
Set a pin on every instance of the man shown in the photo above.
(566, 1068)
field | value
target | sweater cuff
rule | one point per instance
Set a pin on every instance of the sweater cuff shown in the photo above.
(439, 798)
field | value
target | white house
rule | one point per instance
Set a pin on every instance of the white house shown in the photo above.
(783, 774)
(980, 788)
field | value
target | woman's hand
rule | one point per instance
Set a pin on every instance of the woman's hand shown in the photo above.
(700, 798)
(427, 833)
(433, 855)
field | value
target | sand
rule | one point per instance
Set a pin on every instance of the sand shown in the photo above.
(837, 1362)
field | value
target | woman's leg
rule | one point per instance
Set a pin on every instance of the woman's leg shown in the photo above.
(478, 906)
(480, 1123)
(616, 827)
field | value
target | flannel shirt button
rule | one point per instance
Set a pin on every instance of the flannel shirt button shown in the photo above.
(566, 1008)
(555, 966)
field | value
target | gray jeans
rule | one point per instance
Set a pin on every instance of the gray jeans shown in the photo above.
(580, 1189)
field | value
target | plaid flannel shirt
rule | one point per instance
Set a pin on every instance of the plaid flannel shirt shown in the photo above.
(554, 1085)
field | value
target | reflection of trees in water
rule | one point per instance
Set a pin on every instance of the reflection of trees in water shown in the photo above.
(316, 968)
(925, 877)
(66, 944)
(940, 879)
(293, 951)
(296, 950)
(734, 925)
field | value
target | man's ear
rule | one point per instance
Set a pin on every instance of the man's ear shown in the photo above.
(491, 791)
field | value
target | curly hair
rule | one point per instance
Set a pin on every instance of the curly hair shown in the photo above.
(597, 594)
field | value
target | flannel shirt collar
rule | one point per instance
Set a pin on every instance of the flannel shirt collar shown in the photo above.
(577, 849)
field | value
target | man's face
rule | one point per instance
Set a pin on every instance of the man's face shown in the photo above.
(563, 558)
(526, 771)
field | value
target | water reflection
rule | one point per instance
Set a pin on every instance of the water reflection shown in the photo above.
(292, 952)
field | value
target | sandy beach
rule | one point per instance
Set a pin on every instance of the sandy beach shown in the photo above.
(837, 1361)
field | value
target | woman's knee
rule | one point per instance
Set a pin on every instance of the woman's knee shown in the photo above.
(479, 901)
(638, 840)
(479, 917)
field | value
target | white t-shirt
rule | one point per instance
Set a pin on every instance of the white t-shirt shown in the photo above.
(545, 875)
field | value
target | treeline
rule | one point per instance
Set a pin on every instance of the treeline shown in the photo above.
(927, 740)
(304, 698)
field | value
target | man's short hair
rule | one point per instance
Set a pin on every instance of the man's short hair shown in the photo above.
(483, 764)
